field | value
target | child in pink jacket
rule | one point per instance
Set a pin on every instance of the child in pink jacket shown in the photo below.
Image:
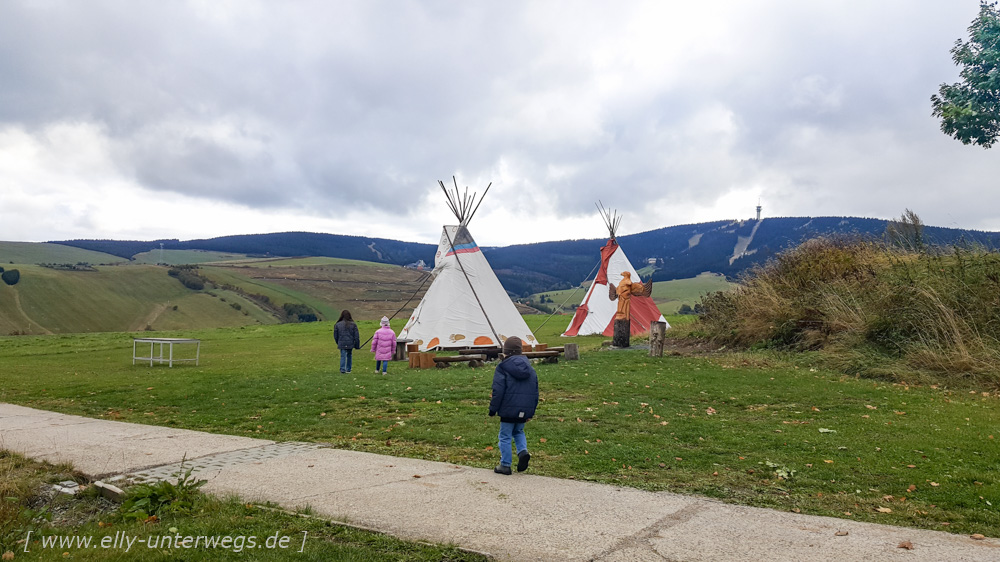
(383, 346)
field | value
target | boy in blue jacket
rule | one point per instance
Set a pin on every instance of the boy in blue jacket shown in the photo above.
(515, 397)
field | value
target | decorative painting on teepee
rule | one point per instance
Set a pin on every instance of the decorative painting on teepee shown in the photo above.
(465, 306)
(596, 314)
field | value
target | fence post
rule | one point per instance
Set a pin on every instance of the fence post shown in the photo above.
(657, 333)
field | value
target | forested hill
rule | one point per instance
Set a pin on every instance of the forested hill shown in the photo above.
(727, 247)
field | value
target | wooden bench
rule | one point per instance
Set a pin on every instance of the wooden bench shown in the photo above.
(474, 360)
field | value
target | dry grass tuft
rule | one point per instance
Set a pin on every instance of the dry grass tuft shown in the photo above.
(873, 309)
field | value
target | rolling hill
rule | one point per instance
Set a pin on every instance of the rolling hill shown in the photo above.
(677, 252)
(131, 297)
(36, 252)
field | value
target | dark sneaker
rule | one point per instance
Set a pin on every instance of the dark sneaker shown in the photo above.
(501, 469)
(522, 461)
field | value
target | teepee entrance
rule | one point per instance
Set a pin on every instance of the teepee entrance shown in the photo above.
(465, 306)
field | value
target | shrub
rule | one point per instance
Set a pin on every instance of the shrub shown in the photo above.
(298, 312)
(874, 309)
(188, 277)
(11, 276)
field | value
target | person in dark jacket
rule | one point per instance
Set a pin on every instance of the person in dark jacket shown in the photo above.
(345, 333)
(515, 397)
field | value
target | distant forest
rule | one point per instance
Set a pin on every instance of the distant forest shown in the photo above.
(677, 252)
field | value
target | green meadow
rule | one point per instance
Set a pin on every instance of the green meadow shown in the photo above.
(757, 428)
(42, 252)
(114, 298)
(185, 257)
(136, 296)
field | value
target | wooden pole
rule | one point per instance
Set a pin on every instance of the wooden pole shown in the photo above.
(571, 352)
(623, 333)
(657, 333)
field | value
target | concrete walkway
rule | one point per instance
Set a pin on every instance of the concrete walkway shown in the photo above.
(519, 517)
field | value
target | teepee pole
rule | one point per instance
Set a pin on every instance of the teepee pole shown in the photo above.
(478, 204)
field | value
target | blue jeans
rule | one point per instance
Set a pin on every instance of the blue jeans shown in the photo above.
(382, 366)
(345, 360)
(508, 431)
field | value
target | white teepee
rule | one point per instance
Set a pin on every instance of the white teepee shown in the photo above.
(596, 314)
(465, 306)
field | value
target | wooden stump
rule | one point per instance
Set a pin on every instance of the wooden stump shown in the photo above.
(426, 360)
(571, 351)
(623, 333)
(657, 332)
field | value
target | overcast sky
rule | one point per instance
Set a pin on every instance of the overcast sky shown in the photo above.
(139, 119)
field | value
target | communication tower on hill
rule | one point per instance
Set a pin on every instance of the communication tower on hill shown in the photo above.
(758, 210)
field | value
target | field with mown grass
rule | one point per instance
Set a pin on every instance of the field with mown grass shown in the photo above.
(327, 285)
(757, 428)
(112, 298)
(36, 252)
(185, 257)
(62, 521)
(669, 296)
(135, 297)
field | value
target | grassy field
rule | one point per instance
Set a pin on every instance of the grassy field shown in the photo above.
(132, 297)
(668, 295)
(185, 257)
(35, 252)
(328, 285)
(753, 428)
(57, 522)
(112, 298)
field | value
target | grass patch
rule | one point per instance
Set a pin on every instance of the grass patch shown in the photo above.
(185, 257)
(63, 521)
(757, 428)
(44, 252)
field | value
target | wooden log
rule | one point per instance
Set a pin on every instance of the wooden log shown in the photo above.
(458, 358)
(657, 334)
(623, 333)
(538, 354)
(557, 348)
(572, 351)
(414, 357)
(411, 347)
(489, 352)
(541, 347)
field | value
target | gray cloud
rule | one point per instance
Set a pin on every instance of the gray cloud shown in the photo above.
(319, 107)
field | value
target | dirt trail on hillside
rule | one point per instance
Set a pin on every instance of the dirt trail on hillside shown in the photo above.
(17, 303)
(140, 325)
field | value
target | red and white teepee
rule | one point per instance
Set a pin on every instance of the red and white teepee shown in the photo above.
(465, 306)
(596, 314)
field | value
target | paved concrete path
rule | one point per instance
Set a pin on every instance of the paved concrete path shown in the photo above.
(519, 517)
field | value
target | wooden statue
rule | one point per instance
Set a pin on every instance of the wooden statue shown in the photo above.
(624, 291)
(623, 294)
